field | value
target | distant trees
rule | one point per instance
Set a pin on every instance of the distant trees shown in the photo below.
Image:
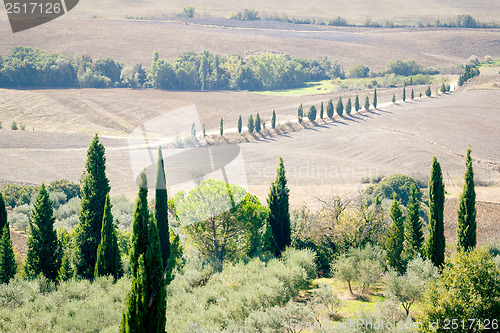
(240, 124)
(94, 189)
(412, 94)
(13, 126)
(300, 113)
(245, 15)
(414, 235)
(348, 107)
(340, 107)
(273, 120)
(404, 92)
(404, 67)
(357, 71)
(258, 126)
(279, 215)
(470, 71)
(187, 12)
(329, 109)
(108, 254)
(321, 111)
(43, 249)
(428, 91)
(250, 124)
(375, 98)
(312, 113)
(8, 266)
(367, 103)
(394, 98)
(435, 243)
(221, 127)
(356, 103)
(466, 238)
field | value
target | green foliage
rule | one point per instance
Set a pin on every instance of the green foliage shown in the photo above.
(65, 270)
(161, 209)
(394, 98)
(312, 113)
(108, 254)
(466, 231)
(404, 93)
(35, 305)
(356, 103)
(257, 123)
(94, 189)
(435, 243)
(395, 238)
(412, 94)
(8, 266)
(69, 188)
(43, 255)
(409, 288)
(221, 127)
(375, 98)
(395, 183)
(3, 214)
(187, 12)
(348, 107)
(245, 15)
(367, 103)
(329, 108)
(239, 295)
(13, 126)
(273, 120)
(326, 297)
(363, 266)
(279, 215)
(321, 111)
(357, 71)
(204, 132)
(404, 67)
(300, 113)
(468, 288)
(340, 107)
(250, 124)
(428, 91)
(240, 124)
(414, 235)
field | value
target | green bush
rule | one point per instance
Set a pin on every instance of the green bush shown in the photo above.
(69, 188)
(396, 183)
(16, 194)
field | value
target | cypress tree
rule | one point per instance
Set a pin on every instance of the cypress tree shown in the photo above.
(312, 113)
(367, 103)
(356, 103)
(395, 237)
(3, 214)
(43, 248)
(221, 126)
(420, 95)
(340, 107)
(321, 111)
(8, 266)
(412, 94)
(161, 209)
(466, 239)
(394, 98)
(414, 236)
(443, 88)
(240, 124)
(250, 124)
(329, 109)
(348, 106)
(279, 215)
(435, 243)
(273, 120)
(375, 98)
(428, 91)
(300, 113)
(204, 132)
(146, 302)
(404, 92)
(257, 123)
(94, 188)
(65, 271)
(108, 254)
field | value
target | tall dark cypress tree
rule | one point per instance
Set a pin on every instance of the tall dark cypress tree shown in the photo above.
(161, 209)
(356, 103)
(279, 214)
(146, 302)
(8, 266)
(375, 98)
(94, 189)
(108, 254)
(404, 92)
(329, 109)
(221, 126)
(367, 103)
(273, 120)
(466, 239)
(435, 243)
(250, 124)
(340, 107)
(321, 111)
(414, 235)
(3, 214)
(300, 113)
(348, 106)
(240, 124)
(395, 237)
(43, 249)
(312, 113)
(257, 123)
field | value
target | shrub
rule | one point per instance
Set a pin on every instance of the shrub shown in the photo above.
(404, 67)
(69, 188)
(13, 126)
(187, 12)
(326, 297)
(396, 183)
(357, 71)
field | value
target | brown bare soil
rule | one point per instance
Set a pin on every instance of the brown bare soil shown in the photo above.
(131, 41)
(19, 241)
